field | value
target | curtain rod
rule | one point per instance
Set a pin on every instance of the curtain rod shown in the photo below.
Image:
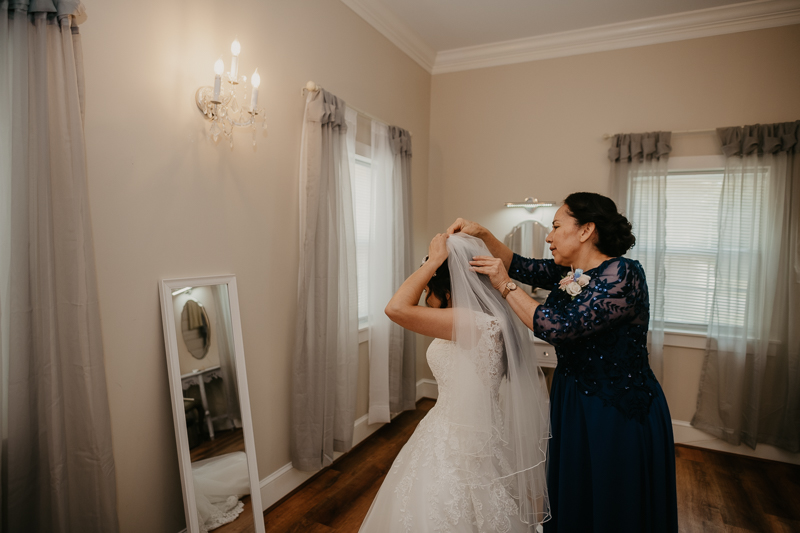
(683, 132)
(312, 87)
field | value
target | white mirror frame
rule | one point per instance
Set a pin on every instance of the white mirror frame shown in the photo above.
(176, 393)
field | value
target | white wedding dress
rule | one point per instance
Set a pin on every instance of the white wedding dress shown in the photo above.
(448, 477)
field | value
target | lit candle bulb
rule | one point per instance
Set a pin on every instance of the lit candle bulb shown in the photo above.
(256, 80)
(235, 49)
(219, 66)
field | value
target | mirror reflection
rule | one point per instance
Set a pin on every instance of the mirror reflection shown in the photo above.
(211, 406)
(528, 239)
(195, 328)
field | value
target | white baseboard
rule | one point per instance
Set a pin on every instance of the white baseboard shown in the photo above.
(684, 433)
(427, 388)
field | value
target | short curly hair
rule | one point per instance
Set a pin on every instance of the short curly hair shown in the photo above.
(614, 231)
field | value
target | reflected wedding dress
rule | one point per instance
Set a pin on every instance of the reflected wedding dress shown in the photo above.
(480, 446)
(219, 483)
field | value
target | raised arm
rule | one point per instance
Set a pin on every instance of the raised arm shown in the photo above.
(404, 308)
(616, 295)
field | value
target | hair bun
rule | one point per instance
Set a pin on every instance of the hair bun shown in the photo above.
(614, 231)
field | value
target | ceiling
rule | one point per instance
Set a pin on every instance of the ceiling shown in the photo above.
(448, 35)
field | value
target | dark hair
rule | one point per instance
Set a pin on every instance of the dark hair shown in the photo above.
(439, 285)
(614, 236)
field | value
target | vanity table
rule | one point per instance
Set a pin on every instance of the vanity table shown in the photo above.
(546, 356)
(545, 353)
(200, 378)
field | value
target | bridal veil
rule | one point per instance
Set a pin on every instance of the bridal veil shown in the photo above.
(505, 428)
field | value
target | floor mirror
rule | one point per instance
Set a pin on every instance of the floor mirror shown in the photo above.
(210, 404)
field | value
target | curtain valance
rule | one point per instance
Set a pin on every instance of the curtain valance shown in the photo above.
(760, 138)
(328, 109)
(55, 9)
(60, 7)
(400, 141)
(640, 146)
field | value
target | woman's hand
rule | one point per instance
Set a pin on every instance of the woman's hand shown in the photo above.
(492, 267)
(496, 248)
(437, 249)
(465, 226)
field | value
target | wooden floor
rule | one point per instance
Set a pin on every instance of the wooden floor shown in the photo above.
(725, 492)
(226, 441)
(717, 492)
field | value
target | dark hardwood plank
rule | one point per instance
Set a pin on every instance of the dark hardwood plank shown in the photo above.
(699, 500)
(227, 441)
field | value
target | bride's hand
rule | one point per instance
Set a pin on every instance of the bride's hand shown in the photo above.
(492, 267)
(465, 226)
(437, 249)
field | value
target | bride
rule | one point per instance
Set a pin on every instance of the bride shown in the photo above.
(476, 462)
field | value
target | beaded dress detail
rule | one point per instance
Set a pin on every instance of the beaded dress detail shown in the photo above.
(601, 335)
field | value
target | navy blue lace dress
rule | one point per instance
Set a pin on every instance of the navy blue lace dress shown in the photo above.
(611, 462)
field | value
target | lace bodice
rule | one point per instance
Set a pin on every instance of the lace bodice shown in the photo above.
(600, 336)
(487, 358)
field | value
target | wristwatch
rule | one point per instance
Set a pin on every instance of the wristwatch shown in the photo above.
(510, 286)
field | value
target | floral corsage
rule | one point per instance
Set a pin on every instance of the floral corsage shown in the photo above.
(574, 282)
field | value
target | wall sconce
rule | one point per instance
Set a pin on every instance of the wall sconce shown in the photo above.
(220, 104)
(181, 291)
(530, 204)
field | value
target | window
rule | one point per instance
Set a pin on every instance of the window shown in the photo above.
(362, 194)
(692, 226)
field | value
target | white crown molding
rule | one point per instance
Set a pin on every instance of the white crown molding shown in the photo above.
(394, 29)
(735, 18)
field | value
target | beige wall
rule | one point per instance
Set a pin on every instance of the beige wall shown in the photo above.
(167, 203)
(535, 129)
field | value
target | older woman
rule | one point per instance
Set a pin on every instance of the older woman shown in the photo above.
(611, 463)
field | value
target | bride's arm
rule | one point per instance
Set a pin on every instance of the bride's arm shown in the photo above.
(404, 308)
(495, 246)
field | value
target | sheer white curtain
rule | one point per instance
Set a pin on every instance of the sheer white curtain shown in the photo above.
(391, 348)
(750, 386)
(385, 336)
(58, 467)
(639, 182)
(325, 365)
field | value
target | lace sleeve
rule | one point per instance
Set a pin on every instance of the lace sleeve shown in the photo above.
(542, 273)
(616, 294)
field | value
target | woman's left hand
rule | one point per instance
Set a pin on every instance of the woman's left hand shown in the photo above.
(492, 267)
(437, 249)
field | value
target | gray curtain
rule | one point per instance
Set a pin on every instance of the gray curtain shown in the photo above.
(638, 181)
(57, 462)
(227, 353)
(325, 364)
(750, 386)
(403, 365)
